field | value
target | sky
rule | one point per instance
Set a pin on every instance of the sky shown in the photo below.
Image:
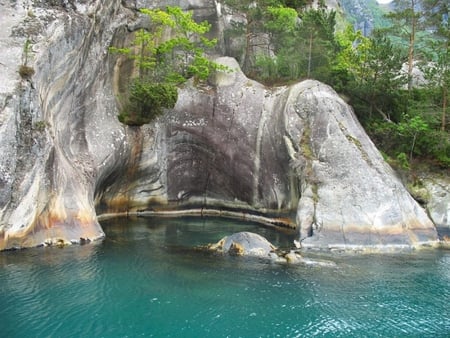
(384, 1)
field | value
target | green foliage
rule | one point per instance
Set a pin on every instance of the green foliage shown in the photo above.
(303, 43)
(285, 40)
(411, 128)
(405, 124)
(367, 70)
(170, 60)
(282, 26)
(251, 25)
(165, 63)
(436, 66)
(295, 4)
(269, 69)
(402, 159)
(317, 36)
(300, 39)
(281, 20)
(27, 52)
(416, 133)
(147, 101)
(25, 71)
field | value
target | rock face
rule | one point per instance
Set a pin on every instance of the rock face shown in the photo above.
(438, 190)
(349, 195)
(294, 156)
(59, 134)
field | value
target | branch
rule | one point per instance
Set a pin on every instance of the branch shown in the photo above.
(385, 117)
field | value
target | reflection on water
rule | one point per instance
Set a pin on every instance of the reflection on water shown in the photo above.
(145, 279)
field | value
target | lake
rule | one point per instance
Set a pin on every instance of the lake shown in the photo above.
(147, 279)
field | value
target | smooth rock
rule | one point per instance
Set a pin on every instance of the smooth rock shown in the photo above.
(438, 204)
(244, 244)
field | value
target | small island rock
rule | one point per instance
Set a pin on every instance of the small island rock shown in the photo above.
(244, 244)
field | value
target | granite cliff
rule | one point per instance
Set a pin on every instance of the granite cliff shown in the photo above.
(291, 156)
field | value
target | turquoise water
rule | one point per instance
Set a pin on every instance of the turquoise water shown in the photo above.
(145, 279)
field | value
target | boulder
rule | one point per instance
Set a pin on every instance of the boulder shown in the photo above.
(438, 198)
(253, 245)
(244, 244)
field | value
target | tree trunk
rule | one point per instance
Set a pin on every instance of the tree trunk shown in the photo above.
(412, 147)
(310, 54)
(247, 64)
(444, 107)
(412, 38)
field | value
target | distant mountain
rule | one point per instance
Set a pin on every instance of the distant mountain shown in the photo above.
(365, 15)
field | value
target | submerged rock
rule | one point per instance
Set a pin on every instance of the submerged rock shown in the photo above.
(295, 258)
(253, 245)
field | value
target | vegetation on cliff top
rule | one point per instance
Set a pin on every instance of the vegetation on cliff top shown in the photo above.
(164, 63)
(406, 117)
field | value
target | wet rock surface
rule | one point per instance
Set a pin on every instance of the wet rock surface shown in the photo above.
(244, 244)
(249, 244)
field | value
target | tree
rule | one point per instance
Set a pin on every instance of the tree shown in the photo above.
(437, 72)
(163, 64)
(25, 71)
(437, 67)
(177, 58)
(253, 14)
(405, 20)
(370, 68)
(317, 36)
(285, 40)
(303, 44)
(411, 128)
(281, 25)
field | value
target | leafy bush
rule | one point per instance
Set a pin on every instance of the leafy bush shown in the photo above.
(146, 101)
(412, 136)
(402, 158)
(163, 63)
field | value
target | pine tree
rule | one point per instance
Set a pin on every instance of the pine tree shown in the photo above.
(438, 67)
(164, 63)
(405, 21)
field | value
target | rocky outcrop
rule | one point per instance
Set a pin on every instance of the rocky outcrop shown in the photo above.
(59, 130)
(244, 244)
(438, 198)
(364, 15)
(292, 156)
(349, 196)
(249, 244)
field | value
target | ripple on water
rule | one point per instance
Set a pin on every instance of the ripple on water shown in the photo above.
(145, 279)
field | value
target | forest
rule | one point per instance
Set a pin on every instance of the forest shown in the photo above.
(396, 78)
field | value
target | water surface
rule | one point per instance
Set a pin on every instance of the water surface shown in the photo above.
(146, 279)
